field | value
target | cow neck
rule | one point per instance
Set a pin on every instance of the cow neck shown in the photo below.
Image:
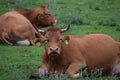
(31, 16)
(26, 13)
(54, 63)
(63, 50)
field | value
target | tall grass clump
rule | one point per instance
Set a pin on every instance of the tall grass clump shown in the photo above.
(109, 22)
(50, 4)
(91, 74)
(16, 4)
(70, 17)
(7, 2)
(112, 19)
(22, 4)
(93, 5)
(73, 16)
(51, 76)
(95, 74)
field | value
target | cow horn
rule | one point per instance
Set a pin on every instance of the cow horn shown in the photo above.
(38, 30)
(41, 31)
(35, 27)
(65, 29)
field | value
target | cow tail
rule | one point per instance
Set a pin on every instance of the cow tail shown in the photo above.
(35, 27)
(3, 38)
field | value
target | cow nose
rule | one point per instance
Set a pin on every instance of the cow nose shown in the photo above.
(54, 49)
(54, 22)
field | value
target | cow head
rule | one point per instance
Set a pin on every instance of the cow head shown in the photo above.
(54, 39)
(44, 17)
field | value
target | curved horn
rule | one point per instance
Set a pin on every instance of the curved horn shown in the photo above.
(67, 28)
(35, 27)
(41, 31)
(38, 30)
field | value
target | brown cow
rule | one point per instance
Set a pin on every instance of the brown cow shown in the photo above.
(41, 16)
(68, 54)
(15, 27)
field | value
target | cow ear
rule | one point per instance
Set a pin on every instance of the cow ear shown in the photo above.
(42, 6)
(38, 42)
(40, 16)
(66, 39)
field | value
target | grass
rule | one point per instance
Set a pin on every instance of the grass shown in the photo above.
(93, 16)
(18, 62)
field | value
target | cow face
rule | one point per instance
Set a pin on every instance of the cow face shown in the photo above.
(53, 41)
(45, 18)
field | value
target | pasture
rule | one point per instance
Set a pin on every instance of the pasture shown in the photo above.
(93, 16)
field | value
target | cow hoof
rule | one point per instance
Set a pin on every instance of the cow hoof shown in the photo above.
(34, 77)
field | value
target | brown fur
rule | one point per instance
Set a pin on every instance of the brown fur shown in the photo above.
(15, 27)
(41, 16)
(91, 51)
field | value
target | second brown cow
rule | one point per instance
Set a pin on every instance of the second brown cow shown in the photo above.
(14, 27)
(41, 17)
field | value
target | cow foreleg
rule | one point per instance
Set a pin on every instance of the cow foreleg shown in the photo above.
(41, 71)
(4, 36)
(116, 69)
(32, 42)
(73, 69)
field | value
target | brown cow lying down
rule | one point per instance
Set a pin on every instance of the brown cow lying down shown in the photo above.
(41, 16)
(15, 27)
(68, 54)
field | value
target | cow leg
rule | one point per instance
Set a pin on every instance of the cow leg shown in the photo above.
(32, 42)
(42, 70)
(4, 36)
(74, 68)
(116, 69)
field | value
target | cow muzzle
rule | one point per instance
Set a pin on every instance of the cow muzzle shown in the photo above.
(54, 51)
(55, 22)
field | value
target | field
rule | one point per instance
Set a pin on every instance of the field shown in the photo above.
(87, 16)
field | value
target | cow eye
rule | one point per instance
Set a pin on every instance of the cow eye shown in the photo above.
(40, 16)
(61, 40)
(45, 41)
(48, 14)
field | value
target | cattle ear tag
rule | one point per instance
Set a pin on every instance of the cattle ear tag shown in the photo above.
(38, 44)
(66, 41)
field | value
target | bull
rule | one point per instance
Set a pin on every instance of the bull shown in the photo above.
(68, 54)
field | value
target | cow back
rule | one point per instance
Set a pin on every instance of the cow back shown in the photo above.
(97, 50)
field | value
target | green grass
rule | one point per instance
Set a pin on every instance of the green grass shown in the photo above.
(87, 29)
(18, 62)
(102, 12)
(87, 16)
